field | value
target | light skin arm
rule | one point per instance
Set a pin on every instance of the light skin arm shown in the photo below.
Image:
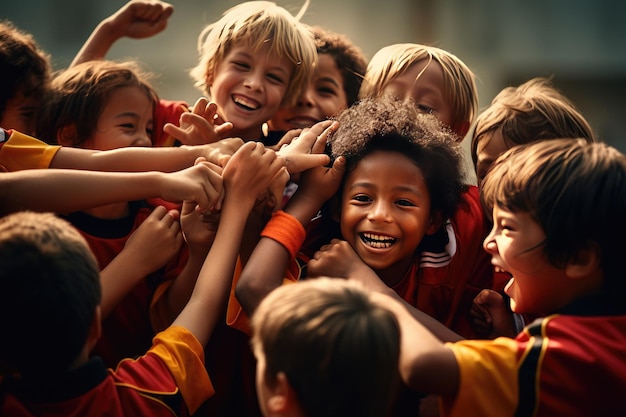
(66, 191)
(159, 233)
(137, 159)
(338, 259)
(137, 19)
(426, 364)
(247, 174)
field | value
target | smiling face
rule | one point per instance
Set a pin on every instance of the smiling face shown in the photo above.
(488, 149)
(126, 120)
(425, 89)
(515, 244)
(385, 212)
(324, 97)
(249, 87)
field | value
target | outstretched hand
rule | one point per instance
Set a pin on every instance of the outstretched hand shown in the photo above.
(201, 125)
(307, 149)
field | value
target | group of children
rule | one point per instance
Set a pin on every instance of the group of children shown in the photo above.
(302, 241)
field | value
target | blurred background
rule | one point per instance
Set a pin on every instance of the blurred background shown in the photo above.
(581, 44)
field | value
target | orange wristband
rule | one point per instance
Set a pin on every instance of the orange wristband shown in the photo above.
(286, 230)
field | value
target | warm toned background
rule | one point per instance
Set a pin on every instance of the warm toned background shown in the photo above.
(581, 43)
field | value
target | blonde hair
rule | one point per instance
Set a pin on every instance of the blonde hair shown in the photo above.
(258, 23)
(459, 81)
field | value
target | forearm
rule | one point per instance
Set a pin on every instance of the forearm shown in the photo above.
(132, 159)
(212, 287)
(97, 45)
(117, 279)
(425, 364)
(66, 191)
(178, 293)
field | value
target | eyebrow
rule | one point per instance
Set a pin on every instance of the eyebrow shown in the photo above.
(400, 188)
(329, 80)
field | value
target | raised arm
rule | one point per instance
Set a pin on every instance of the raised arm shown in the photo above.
(136, 19)
(270, 259)
(248, 173)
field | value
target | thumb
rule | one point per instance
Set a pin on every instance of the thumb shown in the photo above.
(339, 167)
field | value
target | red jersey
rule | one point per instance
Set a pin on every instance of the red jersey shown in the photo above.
(127, 331)
(560, 365)
(169, 380)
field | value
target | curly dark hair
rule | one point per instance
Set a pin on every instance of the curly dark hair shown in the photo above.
(387, 124)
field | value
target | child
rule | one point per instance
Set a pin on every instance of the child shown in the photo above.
(106, 105)
(334, 86)
(51, 292)
(437, 82)
(402, 181)
(557, 206)
(256, 58)
(25, 70)
(343, 343)
(532, 111)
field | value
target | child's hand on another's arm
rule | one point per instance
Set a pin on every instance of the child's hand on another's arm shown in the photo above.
(249, 173)
(490, 315)
(198, 228)
(201, 125)
(307, 149)
(201, 183)
(157, 239)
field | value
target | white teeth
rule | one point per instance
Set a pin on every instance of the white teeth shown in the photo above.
(243, 102)
(378, 241)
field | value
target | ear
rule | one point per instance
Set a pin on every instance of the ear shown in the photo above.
(67, 135)
(95, 330)
(283, 399)
(436, 220)
(586, 262)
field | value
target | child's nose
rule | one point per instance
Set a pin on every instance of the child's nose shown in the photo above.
(254, 80)
(489, 244)
(306, 99)
(379, 212)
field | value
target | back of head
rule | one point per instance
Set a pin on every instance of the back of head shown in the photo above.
(24, 66)
(532, 111)
(393, 60)
(576, 192)
(349, 58)
(257, 24)
(50, 289)
(384, 123)
(80, 93)
(337, 348)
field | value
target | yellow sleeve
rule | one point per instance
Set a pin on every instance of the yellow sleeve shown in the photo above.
(184, 357)
(488, 379)
(21, 151)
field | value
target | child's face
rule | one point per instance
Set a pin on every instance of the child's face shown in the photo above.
(324, 97)
(126, 120)
(427, 91)
(249, 87)
(488, 149)
(20, 113)
(515, 244)
(385, 212)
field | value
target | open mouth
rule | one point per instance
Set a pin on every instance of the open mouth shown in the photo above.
(245, 103)
(377, 241)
